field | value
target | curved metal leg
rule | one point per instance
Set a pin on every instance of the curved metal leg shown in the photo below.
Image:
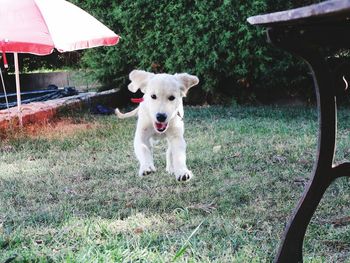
(322, 176)
(342, 170)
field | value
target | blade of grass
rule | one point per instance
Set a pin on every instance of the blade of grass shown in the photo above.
(186, 244)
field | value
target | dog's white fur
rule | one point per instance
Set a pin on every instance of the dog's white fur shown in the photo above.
(163, 95)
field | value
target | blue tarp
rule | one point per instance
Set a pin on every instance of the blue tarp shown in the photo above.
(37, 95)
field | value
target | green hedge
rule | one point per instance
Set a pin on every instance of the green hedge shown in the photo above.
(209, 38)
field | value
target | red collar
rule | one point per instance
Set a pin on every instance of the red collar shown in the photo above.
(136, 100)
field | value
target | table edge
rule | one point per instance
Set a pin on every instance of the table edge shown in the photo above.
(292, 16)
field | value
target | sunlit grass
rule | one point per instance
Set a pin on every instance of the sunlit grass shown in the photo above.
(69, 190)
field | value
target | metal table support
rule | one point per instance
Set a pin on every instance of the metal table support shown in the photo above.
(304, 32)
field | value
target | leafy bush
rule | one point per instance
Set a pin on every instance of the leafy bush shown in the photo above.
(210, 39)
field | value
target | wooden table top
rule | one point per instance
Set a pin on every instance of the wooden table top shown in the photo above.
(324, 12)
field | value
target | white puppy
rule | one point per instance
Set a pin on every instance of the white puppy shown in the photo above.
(160, 115)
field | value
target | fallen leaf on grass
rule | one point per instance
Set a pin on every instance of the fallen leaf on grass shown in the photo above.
(216, 148)
(344, 221)
(208, 208)
(340, 245)
(69, 191)
(31, 158)
(138, 230)
(301, 181)
(279, 159)
(304, 162)
(128, 204)
(236, 155)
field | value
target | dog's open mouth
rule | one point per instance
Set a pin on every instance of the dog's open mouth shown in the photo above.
(160, 126)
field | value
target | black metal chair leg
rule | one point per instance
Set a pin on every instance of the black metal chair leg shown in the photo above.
(292, 243)
(342, 170)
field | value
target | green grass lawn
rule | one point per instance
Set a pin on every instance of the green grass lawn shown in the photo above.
(69, 191)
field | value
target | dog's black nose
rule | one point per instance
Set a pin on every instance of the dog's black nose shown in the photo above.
(161, 117)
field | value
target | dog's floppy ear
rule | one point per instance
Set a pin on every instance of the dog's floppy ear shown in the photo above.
(187, 82)
(139, 80)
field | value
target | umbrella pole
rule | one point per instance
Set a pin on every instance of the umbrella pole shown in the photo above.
(18, 89)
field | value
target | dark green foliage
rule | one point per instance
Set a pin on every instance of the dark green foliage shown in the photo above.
(54, 61)
(211, 39)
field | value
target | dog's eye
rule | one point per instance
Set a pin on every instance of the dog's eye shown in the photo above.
(154, 96)
(171, 98)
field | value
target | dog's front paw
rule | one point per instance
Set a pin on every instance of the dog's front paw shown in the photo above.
(146, 170)
(184, 176)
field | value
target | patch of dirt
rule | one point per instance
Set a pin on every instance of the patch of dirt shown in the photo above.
(58, 129)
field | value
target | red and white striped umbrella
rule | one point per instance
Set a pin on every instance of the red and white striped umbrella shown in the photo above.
(40, 26)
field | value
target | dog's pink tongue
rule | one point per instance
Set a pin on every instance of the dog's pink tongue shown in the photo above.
(160, 125)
